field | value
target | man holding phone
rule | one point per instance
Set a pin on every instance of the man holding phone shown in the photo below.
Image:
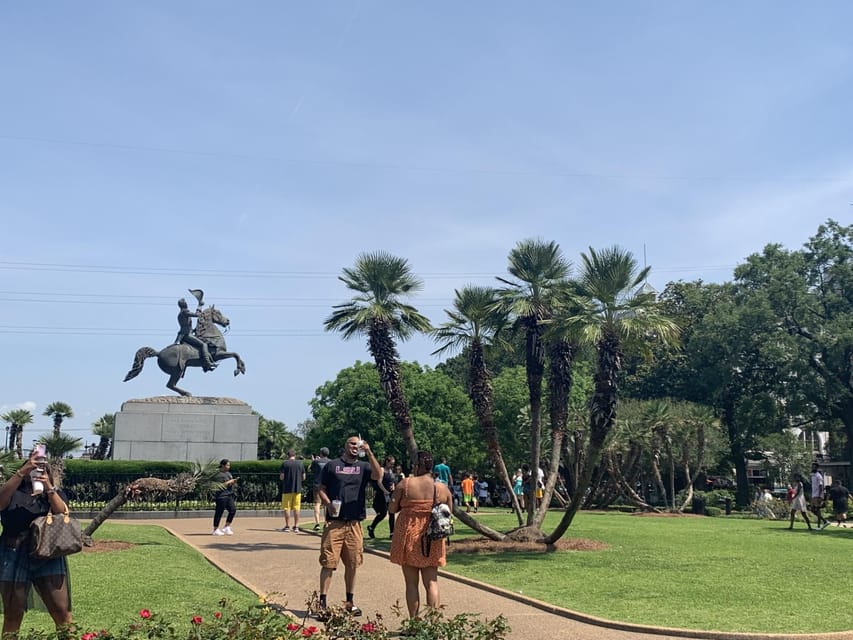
(343, 482)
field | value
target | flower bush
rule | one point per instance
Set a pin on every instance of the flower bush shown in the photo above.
(268, 621)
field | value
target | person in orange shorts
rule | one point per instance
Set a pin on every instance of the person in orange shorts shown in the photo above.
(343, 485)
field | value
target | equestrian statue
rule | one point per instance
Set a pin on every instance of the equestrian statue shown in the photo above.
(202, 347)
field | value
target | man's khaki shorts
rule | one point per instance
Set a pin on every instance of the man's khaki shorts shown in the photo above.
(344, 540)
(291, 502)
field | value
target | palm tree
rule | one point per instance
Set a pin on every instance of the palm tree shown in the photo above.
(17, 419)
(615, 316)
(538, 267)
(59, 411)
(104, 427)
(200, 477)
(58, 446)
(473, 324)
(380, 281)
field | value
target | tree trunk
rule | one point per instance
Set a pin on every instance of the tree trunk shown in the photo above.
(136, 490)
(601, 420)
(482, 399)
(561, 360)
(387, 361)
(535, 370)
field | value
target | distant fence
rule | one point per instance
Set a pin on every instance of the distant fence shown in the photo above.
(91, 490)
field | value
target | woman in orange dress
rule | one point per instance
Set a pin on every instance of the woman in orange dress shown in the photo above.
(412, 501)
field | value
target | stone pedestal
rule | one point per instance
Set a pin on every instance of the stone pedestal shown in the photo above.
(193, 429)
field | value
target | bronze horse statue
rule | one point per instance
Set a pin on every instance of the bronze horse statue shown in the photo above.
(175, 358)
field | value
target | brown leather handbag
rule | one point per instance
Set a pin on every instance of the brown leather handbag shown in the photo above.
(54, 536)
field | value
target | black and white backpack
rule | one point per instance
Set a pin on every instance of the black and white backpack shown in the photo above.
(440, 524)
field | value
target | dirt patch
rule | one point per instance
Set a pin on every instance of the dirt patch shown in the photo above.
(484, 545)
(103, 546)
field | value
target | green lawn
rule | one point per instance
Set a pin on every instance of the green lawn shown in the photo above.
(162, 572)
(726, 574)
(705, 573)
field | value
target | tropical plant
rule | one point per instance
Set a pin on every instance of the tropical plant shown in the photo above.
(274, 440)
(58, 411)
(475, 322)
(537, 268)
(104, 427)
(17, 419)
(377, 311)
(201, 477)
(614, 315)
(57, 447)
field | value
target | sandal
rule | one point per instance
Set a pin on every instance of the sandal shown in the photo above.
(353, 610)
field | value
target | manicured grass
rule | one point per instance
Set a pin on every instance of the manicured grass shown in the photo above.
(159, 573)
(704, 573)
(721, 573)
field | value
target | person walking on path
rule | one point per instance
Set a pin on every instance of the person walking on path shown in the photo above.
(798, 502)
(381, 496)
(343, 488)
(225, 499)
(413, 500)
(816, 501)
(291, 474)
(316, 468)
(840, 496)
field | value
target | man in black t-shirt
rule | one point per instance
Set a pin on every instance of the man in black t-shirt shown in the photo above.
(840, 497)
(317, 465)
(342, 490)
(291, 474)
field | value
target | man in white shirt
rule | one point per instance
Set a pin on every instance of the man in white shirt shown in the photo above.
(816, 502)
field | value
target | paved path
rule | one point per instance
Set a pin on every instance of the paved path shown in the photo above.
(269, 561)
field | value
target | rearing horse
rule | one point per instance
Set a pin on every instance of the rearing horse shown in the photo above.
(175, 358)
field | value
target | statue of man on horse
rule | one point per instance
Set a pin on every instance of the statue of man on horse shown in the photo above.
(201, 347)
(187, 334)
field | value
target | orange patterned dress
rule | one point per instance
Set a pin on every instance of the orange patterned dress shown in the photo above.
(409, 528)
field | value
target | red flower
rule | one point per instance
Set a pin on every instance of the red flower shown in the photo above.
(145, 613)
(368, 627)
(292, 626)
(313, 629)
(88, 636)
(217, 615)
(196, 620)
(307, 633)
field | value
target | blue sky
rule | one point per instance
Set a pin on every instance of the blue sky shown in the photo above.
(253, 150)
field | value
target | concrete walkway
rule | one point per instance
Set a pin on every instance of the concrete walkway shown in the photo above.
(268, 561)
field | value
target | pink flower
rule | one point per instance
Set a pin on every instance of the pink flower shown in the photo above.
(368, 627)
(217, 615)
(88, 636)
(292, 626)
(196, 620)
(145, 613)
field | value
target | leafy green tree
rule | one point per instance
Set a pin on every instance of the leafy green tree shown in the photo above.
(809, 292)
(473, 323)
(353, 403)
(17, 419)
(537, 268)
(274, 440)
(377, 311)
(615, 316)
(58, 411)
(104, 427)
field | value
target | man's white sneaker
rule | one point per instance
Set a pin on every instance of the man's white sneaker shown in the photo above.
(227, 531)
(218, 532)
